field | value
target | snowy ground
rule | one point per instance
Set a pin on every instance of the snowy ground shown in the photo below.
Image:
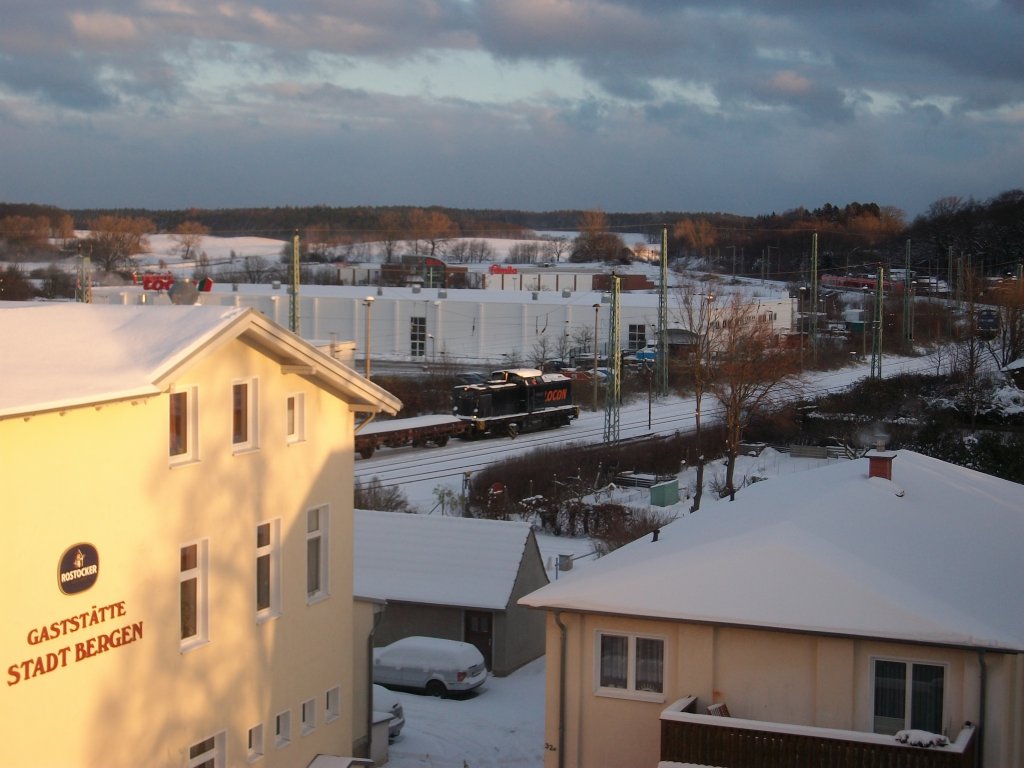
(501, 725)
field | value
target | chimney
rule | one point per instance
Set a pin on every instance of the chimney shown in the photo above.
(880, 460)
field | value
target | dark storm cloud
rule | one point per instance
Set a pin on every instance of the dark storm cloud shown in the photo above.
(655, 104)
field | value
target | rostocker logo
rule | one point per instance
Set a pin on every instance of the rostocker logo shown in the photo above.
(79, 568)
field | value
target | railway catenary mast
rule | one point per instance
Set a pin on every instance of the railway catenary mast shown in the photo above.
(662, 358)
(613, 387)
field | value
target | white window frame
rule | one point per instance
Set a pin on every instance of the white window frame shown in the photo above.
(283, 729)
(252, 401)
(191, 449)
(630, 691)
(318, 536)
(272, 552)
(332, 704)
(295, 418)
(255, 747)
(307, 716)
(216, 752)
(909, 665)
(200, 572)
(636, 336)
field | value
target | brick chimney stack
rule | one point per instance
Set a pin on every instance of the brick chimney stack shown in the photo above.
(880, 460)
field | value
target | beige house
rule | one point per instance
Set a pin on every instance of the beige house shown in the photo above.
(177, 486)
(834, 614)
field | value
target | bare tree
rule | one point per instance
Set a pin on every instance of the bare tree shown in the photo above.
(556, 247)
(1008, 344)
(390, 224)
(698, 235)
(434, 227)
(189, 236)
(695, 314)
(750, 369)
(114, 240)
(595, 242)
(24, 236)
(524, 253)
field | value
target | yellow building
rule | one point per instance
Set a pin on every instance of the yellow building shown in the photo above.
(177, 500)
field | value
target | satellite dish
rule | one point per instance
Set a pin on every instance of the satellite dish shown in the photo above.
(183, 292)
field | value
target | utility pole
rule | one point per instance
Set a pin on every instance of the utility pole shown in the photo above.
(293, 294)
(662, 360)
(814, 297)
(597, 314)
(613, 387)
(876, 336)
(908, 305)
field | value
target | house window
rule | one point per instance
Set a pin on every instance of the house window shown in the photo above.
(308, 716)
(637, 338)
(908, 695)
(295, 418)
(418, 336)
(283, 729)
(183, 426)
(268, 570)
(316, 553)
(630, 664)
(243, 415)
(255, 751)
(208, 753)
(332, 706)
(194, 608)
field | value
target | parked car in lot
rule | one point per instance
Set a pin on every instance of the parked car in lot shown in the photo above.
(429, 664)
(386, 701)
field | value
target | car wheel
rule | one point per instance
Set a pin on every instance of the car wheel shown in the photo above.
(437, 689)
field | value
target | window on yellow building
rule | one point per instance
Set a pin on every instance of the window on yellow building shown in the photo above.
(193, 594)
(283, 729)
(208, 753)
(316, 553)
(243, 415)
(268, 570)
(183, 425)
(295, 418)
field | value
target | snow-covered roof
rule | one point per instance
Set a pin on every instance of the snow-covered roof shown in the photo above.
(932, 556)
(61, 355)
(438, 560)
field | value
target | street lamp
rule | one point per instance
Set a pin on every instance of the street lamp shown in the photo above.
(433, 348)
(368, 303)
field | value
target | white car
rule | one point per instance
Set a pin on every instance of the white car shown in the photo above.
(386, 701)
(429, 664)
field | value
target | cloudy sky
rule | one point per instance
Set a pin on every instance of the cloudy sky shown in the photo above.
(743, 106)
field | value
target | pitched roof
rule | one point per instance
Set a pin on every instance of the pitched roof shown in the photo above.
(438, 560)
(62, 355)
(932, 556)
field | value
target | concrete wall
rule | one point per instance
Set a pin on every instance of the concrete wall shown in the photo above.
(488, 329)
(101, 475)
